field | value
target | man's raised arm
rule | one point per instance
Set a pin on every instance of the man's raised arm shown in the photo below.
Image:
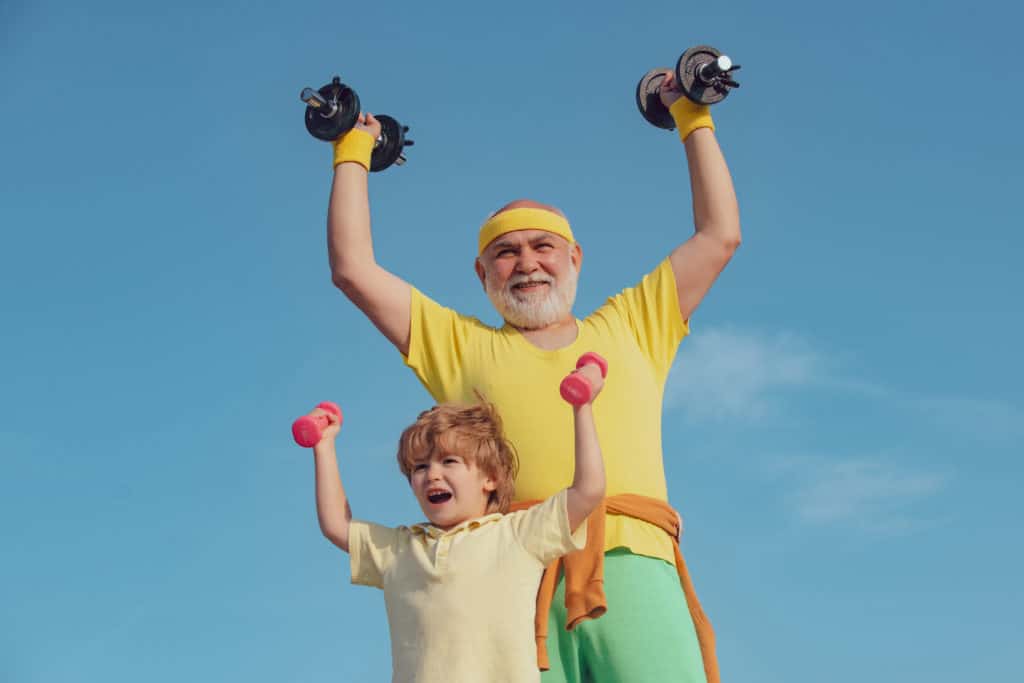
(382, 296)
(697, 262)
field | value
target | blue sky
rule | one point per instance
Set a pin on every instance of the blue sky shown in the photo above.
(843, 428)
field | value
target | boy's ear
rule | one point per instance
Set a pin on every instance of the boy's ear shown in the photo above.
(490, 485)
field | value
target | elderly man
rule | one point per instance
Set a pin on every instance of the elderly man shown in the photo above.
(650, 628)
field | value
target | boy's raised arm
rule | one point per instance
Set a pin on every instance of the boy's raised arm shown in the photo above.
(588, 482)
(332, 508)
(381, 295)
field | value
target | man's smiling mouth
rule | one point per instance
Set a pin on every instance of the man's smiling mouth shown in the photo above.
(530, 287)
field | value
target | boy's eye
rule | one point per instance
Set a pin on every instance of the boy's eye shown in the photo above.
(419, 466)
(451, 461)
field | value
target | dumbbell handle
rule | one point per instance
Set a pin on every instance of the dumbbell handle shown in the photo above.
(708, 71)
(309, 429)
(317, 101)
(575, 388)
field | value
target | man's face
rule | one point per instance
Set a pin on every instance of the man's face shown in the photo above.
(450, 489)
(530, 277)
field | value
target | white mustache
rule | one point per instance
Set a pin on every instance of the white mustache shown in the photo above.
(528, 279)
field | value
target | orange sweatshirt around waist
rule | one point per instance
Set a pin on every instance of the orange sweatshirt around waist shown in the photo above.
(584, 575)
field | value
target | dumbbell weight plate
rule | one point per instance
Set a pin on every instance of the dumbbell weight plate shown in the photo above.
(690, 83)
(390, 145)
(649, 102)
(329, 128)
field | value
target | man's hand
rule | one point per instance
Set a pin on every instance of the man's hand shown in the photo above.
(367, 122)
(669, 92)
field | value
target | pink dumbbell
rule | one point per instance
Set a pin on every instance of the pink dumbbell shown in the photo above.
(308, 429)
(575, 388)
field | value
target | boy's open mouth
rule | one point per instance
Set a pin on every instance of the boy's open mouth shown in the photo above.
(438, 497)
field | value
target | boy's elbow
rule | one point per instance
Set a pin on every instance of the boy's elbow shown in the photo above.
(337, 537)
(592, 496)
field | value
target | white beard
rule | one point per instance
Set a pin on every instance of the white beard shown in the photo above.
(533, 311)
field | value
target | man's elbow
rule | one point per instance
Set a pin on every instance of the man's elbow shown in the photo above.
(729, 240)
(340, 279)
(348, 280)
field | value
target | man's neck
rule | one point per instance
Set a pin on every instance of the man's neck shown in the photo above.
(553, 337)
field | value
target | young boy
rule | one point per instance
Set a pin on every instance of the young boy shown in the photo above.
(461, 590)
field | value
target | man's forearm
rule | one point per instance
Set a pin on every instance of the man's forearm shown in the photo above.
(383, 297)
(715, 210)
(349, 241)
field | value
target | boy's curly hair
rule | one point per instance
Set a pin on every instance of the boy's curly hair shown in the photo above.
(471, 431)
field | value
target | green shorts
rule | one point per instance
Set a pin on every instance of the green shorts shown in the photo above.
(646, 635)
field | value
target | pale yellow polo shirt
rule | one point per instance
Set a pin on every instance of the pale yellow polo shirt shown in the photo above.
(638, 331)
(461, 602)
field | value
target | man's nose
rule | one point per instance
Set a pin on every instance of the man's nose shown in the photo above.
(527, 262)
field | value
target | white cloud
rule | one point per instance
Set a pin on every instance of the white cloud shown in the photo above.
(986, 419)
(864, 492)
(742, 376)
(724, 374)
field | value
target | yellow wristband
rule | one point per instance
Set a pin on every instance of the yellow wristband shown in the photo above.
(689, 116)
(355, 145)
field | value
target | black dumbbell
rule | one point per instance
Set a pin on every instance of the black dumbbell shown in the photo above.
(703, 74)
(333, 111)
(390, 145)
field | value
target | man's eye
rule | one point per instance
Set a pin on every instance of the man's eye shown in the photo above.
(505, 252)
(544, 245)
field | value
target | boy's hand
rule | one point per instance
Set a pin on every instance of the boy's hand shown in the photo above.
(367, 122)
(669, 92)
(577, 388)
(330, 432)
(592, 373)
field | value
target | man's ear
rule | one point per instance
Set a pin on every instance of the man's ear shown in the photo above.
(576, 256)
(480, 273)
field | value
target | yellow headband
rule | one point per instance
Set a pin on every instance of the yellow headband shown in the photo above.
(523, 219)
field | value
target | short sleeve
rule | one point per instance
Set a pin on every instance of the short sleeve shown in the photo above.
(543, 530)
(371, 549)
(438, 340)
(651, 309)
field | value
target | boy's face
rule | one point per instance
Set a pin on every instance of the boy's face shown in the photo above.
(450, 489)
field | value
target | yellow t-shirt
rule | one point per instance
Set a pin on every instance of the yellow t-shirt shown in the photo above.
(461, 602)
(637, 332)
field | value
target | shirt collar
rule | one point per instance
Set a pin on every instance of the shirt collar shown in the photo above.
(469, 525)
